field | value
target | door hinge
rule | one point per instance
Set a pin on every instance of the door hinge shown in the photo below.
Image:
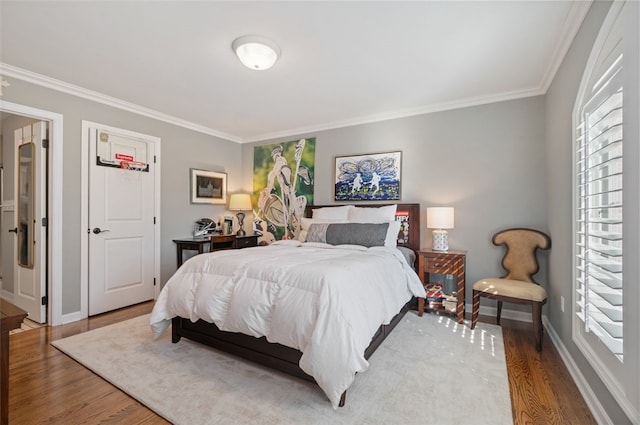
(154, 220)
(154, 281)
(154, 159)
(45, 222)
(45, 143)
(45, 300)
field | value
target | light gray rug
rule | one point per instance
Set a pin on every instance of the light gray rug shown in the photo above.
(430, 370)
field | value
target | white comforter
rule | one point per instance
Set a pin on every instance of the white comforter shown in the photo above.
(326, 301)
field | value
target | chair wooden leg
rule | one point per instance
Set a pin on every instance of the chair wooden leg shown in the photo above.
(499, 312)
(537, 324)
(475, 308)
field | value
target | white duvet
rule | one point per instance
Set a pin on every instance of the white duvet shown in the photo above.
(326, 301)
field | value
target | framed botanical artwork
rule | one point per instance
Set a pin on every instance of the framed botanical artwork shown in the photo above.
(208, 187)
(369, 177)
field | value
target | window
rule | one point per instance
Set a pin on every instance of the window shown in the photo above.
(599, 197)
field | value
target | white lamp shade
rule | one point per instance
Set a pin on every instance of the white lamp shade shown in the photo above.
(257, 53)
(440, 218)
(240, 202)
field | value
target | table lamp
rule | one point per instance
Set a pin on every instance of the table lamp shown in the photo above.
(439, 218)
(240, 202)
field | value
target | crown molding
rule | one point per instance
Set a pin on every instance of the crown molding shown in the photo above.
(404, 113)
(61, 86)
(573, 21)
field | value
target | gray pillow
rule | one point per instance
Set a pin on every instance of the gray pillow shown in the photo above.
(364, 234)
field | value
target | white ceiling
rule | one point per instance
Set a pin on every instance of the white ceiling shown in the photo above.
(342, 62)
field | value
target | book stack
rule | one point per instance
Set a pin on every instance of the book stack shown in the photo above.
(449, 303)
(435, 296)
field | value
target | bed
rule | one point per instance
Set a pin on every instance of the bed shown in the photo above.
(312, 316)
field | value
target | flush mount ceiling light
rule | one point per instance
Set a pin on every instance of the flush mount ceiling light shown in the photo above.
(255, 52)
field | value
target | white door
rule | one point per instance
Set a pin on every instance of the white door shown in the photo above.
(121, 220)
(30, 205)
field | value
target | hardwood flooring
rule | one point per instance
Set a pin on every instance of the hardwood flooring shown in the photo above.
(47, 387)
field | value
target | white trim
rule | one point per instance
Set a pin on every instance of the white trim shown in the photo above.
(572, 24)
(55, 202)
(590, 398)
(7, 295)
(606, 375)
(72, 317)
(84, 210)
(61, 86)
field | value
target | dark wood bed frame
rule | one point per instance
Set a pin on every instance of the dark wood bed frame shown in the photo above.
(277, 356)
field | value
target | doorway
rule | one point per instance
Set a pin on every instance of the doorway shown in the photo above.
(51, 212)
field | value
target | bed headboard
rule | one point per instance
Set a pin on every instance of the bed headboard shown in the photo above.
(409, 211)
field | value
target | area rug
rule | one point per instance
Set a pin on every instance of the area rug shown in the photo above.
(430, 370)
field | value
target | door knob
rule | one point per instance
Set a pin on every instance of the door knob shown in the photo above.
(97, 230)
(14, 230)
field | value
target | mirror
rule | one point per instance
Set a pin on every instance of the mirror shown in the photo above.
(25, 205)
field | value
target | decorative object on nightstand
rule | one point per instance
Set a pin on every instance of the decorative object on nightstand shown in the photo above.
(240, 202)
(440, 218)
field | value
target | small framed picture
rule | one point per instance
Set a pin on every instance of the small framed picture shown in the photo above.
(208, 187)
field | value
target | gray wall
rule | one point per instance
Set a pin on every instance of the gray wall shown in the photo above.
(559, 104)
(181, 149)
(486, 161)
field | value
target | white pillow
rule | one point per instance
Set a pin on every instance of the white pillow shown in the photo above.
(372, 214)
(392, 234)
(332, 213)
(306, 222)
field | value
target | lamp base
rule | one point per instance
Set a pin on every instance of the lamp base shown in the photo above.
(240, 231)
(440, 240)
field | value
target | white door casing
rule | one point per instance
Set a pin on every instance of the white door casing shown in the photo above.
(29, 277)
(121, 231)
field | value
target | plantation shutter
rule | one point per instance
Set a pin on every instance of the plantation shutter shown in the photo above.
(599, 282)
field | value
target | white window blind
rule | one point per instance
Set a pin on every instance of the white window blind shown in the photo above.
(598, 262)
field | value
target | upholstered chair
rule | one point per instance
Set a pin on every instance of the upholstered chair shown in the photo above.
(517, 286)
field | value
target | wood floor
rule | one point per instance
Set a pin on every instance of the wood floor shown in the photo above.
(47, 387)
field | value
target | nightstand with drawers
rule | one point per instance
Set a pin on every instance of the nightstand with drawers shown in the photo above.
(446, 263)
(214, 242)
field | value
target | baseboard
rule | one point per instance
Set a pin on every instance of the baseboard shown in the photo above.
(71, 317)
(7, 295)
(521, 316)
(590, 398)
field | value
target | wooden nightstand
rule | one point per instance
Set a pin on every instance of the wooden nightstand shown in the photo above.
(219, 242)
(189, 244)
(215, 243)
(449, 262)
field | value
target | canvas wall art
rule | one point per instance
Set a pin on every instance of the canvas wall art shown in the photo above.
(282, 187)
(370, 177)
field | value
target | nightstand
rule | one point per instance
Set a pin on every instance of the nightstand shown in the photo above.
(447, 263)
(219, 242)
(190, 244)
(215, 243)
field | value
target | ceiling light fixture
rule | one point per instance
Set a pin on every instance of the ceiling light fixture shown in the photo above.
(255, 52)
